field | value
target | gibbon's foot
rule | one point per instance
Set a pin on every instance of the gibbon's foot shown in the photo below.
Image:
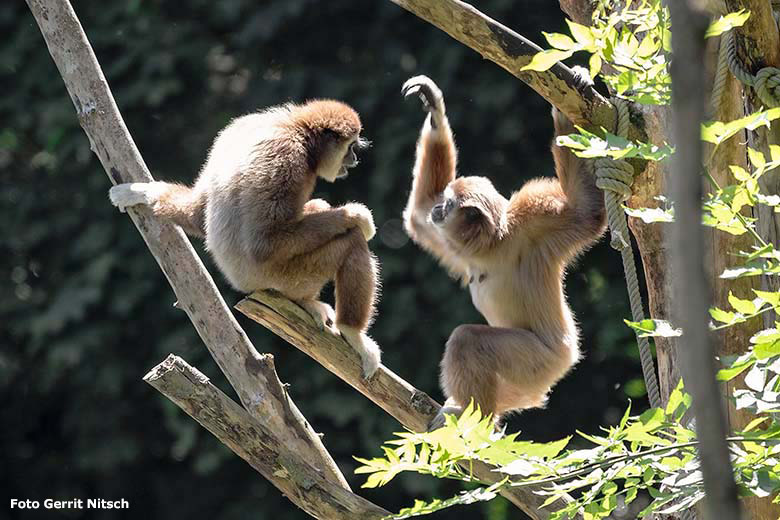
(131, 194)
(362, 215)
(430, 95)
(439, 420)
(322, 313)
(369, 351)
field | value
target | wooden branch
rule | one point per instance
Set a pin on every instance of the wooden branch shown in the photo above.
(511, 51)
(410, 406)
(581, 11)
(758, 46)
(251, 374)
(265, 449)
(691, 301)
(757, 40)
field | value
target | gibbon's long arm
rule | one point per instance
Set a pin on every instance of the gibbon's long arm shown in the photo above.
(563, 214)
(434, 167)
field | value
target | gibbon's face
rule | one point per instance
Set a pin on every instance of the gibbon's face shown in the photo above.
(339, 156)
(471, 214)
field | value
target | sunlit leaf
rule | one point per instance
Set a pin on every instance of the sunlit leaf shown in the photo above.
(546, 59)
(650, 327)
(651, 215)
(726, 23)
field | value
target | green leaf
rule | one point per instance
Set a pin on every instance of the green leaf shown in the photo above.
(559, 41)
(651, 215)
(717, 132)
(766, 336)
(420, 507)
(582, 34)
(546, 59)
(739, 173)
(772, 298)
(742, 306)
(726, 23)
(722, 316)
(756, 158)
(735, 369)
(767, 350)
(649, 328)
(594, 65)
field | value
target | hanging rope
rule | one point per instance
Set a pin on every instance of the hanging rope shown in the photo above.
(615, 177)
(721, 75)
(766, 82)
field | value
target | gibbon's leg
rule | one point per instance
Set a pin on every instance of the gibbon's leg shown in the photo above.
(347, 260)
(499, 368)
(356, 283)
(179, 204)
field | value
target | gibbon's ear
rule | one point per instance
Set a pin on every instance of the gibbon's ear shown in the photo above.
(472, 213)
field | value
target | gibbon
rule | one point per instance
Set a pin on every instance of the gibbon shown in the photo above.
(251, 202)
(512, 254)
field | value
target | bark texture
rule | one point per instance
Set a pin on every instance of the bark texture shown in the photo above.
(410, 406)
(511, 51)
(268, 451)
(259, 389)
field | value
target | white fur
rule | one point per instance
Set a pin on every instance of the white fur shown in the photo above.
(366, 222)
(366, 347)
(125, 195)
(322, 313)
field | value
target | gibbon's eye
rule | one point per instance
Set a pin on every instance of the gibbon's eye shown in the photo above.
(471, 213)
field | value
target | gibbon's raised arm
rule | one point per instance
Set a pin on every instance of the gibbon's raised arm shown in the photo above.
(434, 168)
(561, 214)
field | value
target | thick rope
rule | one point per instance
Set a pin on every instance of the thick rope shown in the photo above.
(615, 178)
(766, 82)
(721, 75)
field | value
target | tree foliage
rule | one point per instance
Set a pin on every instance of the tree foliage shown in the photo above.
(86, 312)
(655, 451)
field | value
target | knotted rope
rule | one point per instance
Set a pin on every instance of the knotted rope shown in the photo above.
(615, 177)
(766, 81)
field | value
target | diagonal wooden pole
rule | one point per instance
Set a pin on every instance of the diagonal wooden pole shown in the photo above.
(584, 106)
(413, 408)
(251, 374)
(264, 449)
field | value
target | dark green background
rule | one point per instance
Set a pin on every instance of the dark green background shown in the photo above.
(85, 311)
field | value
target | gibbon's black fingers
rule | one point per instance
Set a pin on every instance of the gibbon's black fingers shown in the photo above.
(427, 91)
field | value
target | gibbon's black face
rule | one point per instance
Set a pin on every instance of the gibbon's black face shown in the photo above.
(470, 214)
(351, 158)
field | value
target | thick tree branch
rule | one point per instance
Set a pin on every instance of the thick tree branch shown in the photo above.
(691, 300)
(410, 406)
(511, 51)
(265, 449)
(758, 38)
(758, 46)
(259, 389)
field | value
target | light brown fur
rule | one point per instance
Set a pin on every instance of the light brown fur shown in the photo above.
(252, 204)
(512, 254)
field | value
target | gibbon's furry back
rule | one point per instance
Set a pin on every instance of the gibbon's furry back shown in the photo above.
(251, 202)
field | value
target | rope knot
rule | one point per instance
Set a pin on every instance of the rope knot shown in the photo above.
(768, 86)
(615, 175)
